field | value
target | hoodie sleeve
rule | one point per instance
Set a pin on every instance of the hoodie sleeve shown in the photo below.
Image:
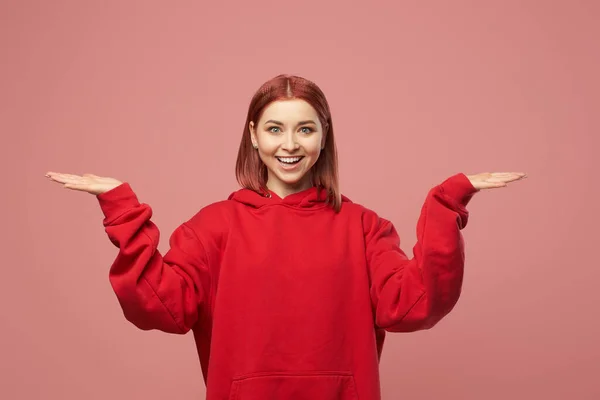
(415, 294)
(155, 292)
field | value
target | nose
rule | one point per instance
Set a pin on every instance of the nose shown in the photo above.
(289, 142)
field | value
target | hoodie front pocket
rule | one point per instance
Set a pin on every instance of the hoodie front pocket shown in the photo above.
(294, 385)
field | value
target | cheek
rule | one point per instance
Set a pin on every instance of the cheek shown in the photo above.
(314, 147)
(267, 146)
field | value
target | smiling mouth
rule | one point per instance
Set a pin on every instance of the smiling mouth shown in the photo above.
(289, 160)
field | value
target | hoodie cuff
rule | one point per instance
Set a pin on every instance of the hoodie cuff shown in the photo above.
(459, 189)
(118, 200)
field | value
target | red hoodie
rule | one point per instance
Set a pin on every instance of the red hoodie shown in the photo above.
(286, 298)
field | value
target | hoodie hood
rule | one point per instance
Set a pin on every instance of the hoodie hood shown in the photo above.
(309, 198)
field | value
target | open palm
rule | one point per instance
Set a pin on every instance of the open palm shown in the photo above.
(89, 183)
(490, 180)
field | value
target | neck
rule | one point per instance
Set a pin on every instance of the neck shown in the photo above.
(282, 189)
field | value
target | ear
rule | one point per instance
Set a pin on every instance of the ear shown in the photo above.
(252, 134)
(325, 132)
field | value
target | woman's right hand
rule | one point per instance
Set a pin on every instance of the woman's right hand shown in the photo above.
(86, 183)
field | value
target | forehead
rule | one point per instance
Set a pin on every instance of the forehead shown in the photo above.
(287, 110)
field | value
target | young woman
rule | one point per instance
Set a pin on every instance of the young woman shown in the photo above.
(287, 286)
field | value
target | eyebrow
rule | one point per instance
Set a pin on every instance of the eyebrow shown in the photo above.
(310, 121)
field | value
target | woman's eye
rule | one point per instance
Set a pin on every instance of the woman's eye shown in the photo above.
(276, 129)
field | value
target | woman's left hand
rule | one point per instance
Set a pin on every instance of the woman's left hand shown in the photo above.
(492, 180)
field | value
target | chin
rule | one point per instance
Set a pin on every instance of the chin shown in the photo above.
(291, 181)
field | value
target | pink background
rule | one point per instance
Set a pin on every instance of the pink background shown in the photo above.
(156, 95)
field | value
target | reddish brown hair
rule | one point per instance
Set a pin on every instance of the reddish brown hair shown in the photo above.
(251, 172)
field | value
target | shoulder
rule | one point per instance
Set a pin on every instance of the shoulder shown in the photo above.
(370, 220)
(361, 210)
(211, 222)
(214, 212)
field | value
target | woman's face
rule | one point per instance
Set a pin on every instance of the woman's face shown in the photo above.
(289, 137)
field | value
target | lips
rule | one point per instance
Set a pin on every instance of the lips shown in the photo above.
(289, 160)
(289, 164)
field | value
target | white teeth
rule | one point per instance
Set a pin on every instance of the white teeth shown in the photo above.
(289, 160)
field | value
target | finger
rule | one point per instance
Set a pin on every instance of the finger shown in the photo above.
(57, 178)
(62, 178)
(495, 180)
(509, 178)
(71, 176)
(51, 174)
(515, 178)
(494, 185)
(75, 186)
(58, 175)
(517, 175)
